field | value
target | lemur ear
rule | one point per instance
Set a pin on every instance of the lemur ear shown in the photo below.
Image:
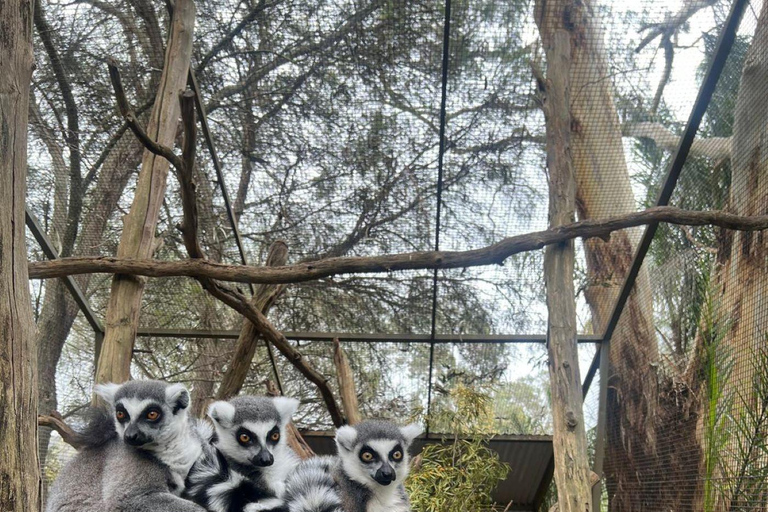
(222, 413)
(345, 438)
(177, 397)
(286, 407)
(411, 432)
(107, 391)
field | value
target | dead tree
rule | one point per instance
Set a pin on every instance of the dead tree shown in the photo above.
(19, 471)
(569, 434)
(138, 237)
(346, 380)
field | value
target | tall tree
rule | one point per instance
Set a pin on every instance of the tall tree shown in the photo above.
(19, 473)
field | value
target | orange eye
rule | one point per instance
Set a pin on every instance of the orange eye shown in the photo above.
(153, 415)
(244, 438)
(120, 415)
(275, 436)
(398, 455)
(366, 456)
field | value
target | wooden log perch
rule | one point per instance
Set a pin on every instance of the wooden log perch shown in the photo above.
(494, 254)
(346, 384)
(67, 433)
(295, 439)
(569, 440)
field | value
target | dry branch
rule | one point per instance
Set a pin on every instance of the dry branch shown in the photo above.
(711, 147)
(494, 254)
(295, 439)
(346, 384)
(67, 433)
(232, 298)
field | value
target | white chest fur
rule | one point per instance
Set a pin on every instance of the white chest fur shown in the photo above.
(388, 499)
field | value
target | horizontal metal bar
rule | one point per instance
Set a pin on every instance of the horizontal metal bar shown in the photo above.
(50, 252)
(362, 337)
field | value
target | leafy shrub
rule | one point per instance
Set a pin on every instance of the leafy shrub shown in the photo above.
(459, 474)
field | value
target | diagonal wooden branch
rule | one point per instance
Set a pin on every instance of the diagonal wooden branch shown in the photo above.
(232, 298)
(67, 433)
(494, 254)
(673, 22)
(134, 124)
(711, 147)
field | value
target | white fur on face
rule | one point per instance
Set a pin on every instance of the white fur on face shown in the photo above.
(229, 445)
(134, 407)
(364, 474)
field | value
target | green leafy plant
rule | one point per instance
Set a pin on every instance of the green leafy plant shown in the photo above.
(461, 472)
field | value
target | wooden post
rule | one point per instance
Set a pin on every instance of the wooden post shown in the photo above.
(245, 348)
(346, 380)
(572, 471)
(138, 237)
(19, 471)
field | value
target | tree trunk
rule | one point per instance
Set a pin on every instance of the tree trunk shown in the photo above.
(59, 310)
(245, 348)
(346, 380)
(137, 240)
(633, 469)
(19, 471)
(569, 435)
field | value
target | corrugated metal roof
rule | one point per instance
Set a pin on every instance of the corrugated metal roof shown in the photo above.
(528, 457)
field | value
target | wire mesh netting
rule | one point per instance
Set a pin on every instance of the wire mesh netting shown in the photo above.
(328, 120)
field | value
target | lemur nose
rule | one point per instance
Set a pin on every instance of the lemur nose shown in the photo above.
(385, 475)
(263, 459)
(135, 439)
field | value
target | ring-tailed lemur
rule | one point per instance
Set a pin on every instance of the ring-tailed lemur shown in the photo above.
(138, 454)
(367, 475)
(247, 461)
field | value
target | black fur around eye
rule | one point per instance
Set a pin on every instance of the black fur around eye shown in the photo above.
(121, 414)
(153, 415)
(244, 437)
(367, 455)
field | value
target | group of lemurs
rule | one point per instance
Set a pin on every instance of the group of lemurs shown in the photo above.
(145, 454)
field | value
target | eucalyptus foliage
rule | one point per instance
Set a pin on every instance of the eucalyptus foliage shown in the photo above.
(460, 473)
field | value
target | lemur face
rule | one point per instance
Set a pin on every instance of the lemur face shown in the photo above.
(376, 452)
(250, 429)
(146, 413)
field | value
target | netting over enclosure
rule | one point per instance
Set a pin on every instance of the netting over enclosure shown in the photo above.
(369, 127)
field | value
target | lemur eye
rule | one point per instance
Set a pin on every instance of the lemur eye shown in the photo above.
(153, 415)
(244, 438)
(275, 436)
(398, 455)
(120, 415)
(366, 456)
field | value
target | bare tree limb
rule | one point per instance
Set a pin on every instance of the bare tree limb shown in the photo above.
(346, 384)
(494, 254)
(673, 22)
(67, 433)
(712, 147)
(232, 298)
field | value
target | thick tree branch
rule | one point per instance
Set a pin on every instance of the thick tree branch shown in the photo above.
(494, 254)
(712, 147)
(67, 433)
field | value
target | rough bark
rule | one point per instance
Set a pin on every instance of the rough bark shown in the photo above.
(633, 467)
(137, 239)
(247, 341)
(494, 254)
(569, 439)
(346, 381)
(19, 471)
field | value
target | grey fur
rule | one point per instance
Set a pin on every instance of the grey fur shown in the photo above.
(113, 476)
(348, 483)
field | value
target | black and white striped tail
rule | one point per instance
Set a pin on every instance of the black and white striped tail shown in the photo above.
(311, 487)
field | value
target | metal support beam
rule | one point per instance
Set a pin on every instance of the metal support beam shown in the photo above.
(365, 337)
(51, 253)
